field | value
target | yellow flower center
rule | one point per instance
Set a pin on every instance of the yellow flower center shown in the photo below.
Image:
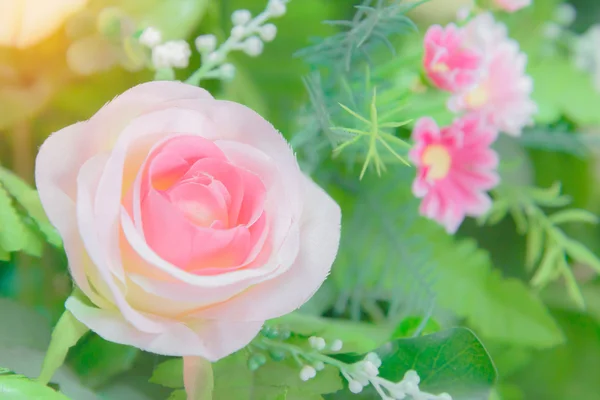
(440, 67)
(437, 158)
(477, 97)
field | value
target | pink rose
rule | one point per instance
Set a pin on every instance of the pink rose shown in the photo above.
(186, 221)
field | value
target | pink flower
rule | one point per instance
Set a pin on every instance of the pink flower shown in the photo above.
(512, 5)
(455, 167)
(186, 221)
(503, 93)
(449, 64)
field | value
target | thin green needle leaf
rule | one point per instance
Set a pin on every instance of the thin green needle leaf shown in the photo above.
(351, 130)
(396, 140)
(391, 150)
(354, 114)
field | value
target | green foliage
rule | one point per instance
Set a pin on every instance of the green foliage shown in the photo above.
(66, 334)
(98, 361)
(273, 381)
(548, 247)
(19, 387)
(452, 361)
(23, 223)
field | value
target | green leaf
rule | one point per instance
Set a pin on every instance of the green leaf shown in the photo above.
(178, 394)
(574, 215)
(18, 387)
(535, 244)
(580, 253)
(452, 361)
(504, 310)
(12, 229)
(357, 337)
(272, 381)
(169, 374)
(410, 326)
(28, 198)
(66, 334)
(97, 360)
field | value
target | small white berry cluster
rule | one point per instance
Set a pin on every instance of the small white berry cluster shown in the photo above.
(366, 372)
(170, 54)
(564, 16)
(319, 344)
(247, 34)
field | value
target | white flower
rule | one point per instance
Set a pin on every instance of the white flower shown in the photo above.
(238, 32)
(172, 54)
(276, 8)
(150, 37)
(227, 71)
(374, 358)
(268, 32)
(241, 17)
(370, 369)
(317, 343)
(206, 43)
(253, 46)
(551, 30)
(336, 345)
(307, 372)
(319, 365)
(355, 387)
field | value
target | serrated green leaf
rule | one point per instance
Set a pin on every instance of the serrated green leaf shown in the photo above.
(18, 387)
(12, 229)
(169, 374)
(97, 360)
(502, 309)
(28, 198)
(582, 254)
(574, 215)
(453, 361)
(66, 334)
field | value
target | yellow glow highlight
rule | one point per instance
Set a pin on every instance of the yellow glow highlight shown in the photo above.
(477, 97)
(437, 158)
(24, 23)
(440, 67)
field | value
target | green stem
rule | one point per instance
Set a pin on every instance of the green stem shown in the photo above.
(298, 351)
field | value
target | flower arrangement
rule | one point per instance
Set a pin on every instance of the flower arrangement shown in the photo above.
(296, 199)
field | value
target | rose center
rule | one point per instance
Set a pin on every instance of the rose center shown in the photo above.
(440, 67)
(437, 158)
(478, 97)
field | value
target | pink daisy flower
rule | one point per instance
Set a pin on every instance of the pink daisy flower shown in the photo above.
(503, 93)
(455, 167)
(512, 5)
(448, 64)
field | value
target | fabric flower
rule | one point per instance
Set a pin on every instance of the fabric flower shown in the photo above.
(512, 5)
(503, 93)
(448, 63)
(24, 23)
(455, 167)
(186, 221)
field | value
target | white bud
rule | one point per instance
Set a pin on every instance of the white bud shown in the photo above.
(276, 8)
(214, 57)
(565, 14)
(253, 46)
(268, 32)
(319, 365)
(551, 30)
(411, 388)
(374, 358)
(206, 43)
(238, 32)
(172, 54)
(227, 71)
(355, 387)
(336, 345)
(307, 372)
(150, 37)
(317, 343)
(412, 376)
(370, 369)
(241, 17)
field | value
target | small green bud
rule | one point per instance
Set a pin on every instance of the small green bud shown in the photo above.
(270, 332)
(256, 361)
(277, 355)
(285, 334)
